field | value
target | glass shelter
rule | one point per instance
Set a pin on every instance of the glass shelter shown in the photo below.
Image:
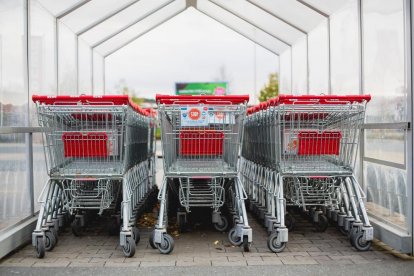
(322, 47)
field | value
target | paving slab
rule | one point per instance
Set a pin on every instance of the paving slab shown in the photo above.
(200, 247)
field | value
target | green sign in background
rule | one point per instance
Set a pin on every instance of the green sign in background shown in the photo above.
(201, 88)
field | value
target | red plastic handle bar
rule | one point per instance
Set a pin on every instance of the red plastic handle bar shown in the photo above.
(205, 99)
(90, 100)
(319, 99)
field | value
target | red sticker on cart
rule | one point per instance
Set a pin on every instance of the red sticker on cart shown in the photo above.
(194, 114)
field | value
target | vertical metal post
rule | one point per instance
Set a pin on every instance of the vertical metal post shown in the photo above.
(291, 70)
(279, 73)
(254, 69)
(77, 64)
(92, 72)
(329, 56)
(103, 74)
(409, 42)
(361, 89)
(307, 64)
(360, 48)
(28, 136)
(57, 54)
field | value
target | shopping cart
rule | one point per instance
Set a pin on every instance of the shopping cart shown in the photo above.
(310, 143)
(98, 158)
(201, 137)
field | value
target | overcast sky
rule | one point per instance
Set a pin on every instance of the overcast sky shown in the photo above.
(191, 47)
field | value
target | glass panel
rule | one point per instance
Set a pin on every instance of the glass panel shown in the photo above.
(157, 60)
(124, 18)
(285, 72)
(85, 70)
(344, 50)
(57, 7)
(385, 144)
(92, 12)
(14, 193)
(42, 55)
(326, 6)
(98, 74)
(241, 26)
(266, 63)
(261, 19)
(384, 60)
(67, 61)
(42, 82)
(318, 60)
(293, 12)
(387, 194)
(141, 27)
(13, 93)
(299, 68)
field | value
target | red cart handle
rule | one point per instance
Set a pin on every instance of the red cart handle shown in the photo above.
(205, 99)
(90, 100)
(319, 99)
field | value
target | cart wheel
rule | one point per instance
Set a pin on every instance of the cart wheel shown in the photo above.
(50, 240)
(136, 235)
(290, 222)
(151, 240)
(223, 226)
(352, 235)
(359, 243)
(233, 239)
(40, 247)
(76, 227)
(274, 245)
(55, 233)
(129, 247)
(167, 244)
(322, 223)
(246, 244)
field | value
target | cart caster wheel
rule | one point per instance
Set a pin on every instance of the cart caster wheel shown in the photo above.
(246, 244)
(290, 222)
(50, 240)
(223, 226)
(151, 240)
(76, 227)
(55, 232)
(136, 235)
(359, 243)
(322, 223)
(274, 245)
(167, 244)
(233, 239)
(129, 247)
(352, 235)
(40, 247)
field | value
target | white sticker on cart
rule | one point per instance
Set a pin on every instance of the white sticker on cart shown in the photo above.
(194, 116)
(219, 115)
(290, 143)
